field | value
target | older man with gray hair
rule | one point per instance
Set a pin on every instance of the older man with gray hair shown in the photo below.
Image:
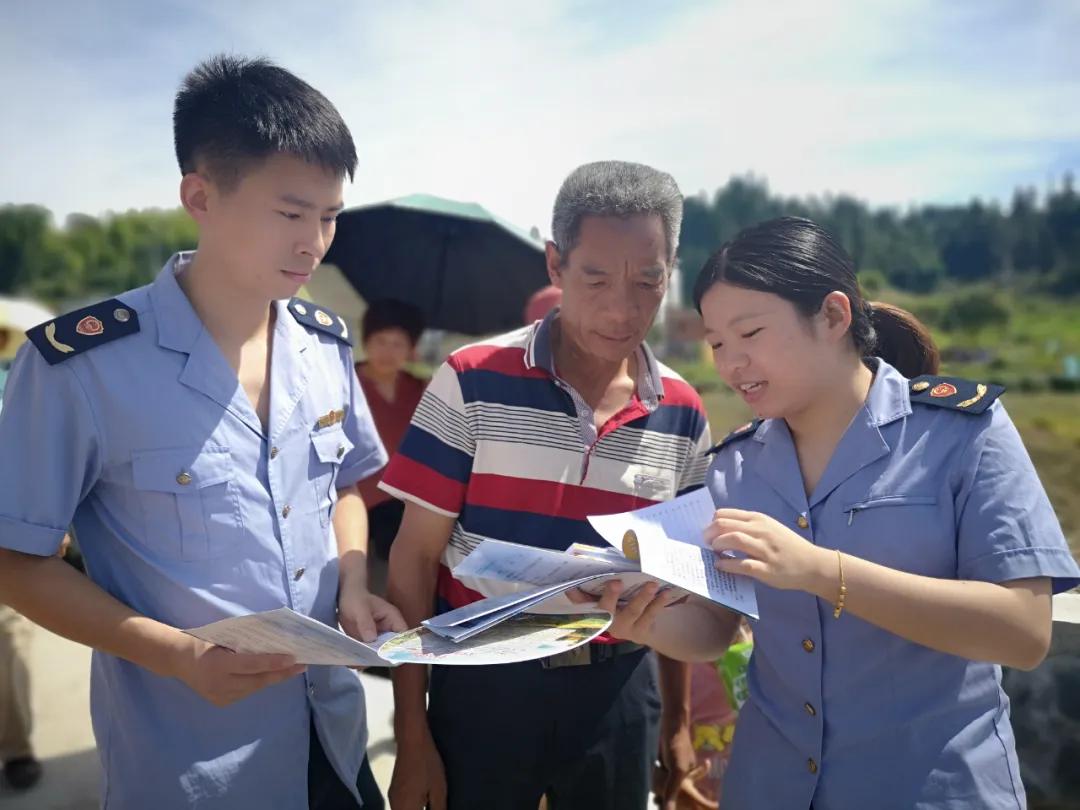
(519, 438)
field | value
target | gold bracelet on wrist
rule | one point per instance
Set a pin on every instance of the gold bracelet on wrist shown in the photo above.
(842, 593)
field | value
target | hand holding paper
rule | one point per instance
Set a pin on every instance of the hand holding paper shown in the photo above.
(668, 539)
(672, 547)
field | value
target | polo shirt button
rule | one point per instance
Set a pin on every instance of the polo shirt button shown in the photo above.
(808, 644)
(285, 511)
(802, 522)
(810, 710)
(299, 573)
(811, 766)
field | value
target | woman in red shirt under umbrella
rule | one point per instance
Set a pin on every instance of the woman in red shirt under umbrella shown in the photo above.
(389, 333)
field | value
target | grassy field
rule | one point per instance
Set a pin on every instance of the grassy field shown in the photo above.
(1048, 422)
(1023, 350)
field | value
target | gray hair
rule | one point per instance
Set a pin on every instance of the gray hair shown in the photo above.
(615, 188)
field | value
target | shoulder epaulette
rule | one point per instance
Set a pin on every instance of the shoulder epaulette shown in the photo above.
(740, 432)
(320, 318)
(954, 393)
(84, 329)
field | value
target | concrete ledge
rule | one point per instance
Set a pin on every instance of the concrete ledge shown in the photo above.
(1066, 639)
(1045, 714)
(1067, 607)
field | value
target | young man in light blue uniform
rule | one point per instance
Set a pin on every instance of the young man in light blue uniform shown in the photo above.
(203, 435)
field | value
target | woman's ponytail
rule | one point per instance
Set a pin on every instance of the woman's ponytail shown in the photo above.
(902, 341)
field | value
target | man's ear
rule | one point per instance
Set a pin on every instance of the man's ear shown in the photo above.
(554, 261)
(195, 193)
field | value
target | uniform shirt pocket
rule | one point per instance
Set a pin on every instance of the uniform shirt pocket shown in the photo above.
(189, 497)
(329, 447)
(904, 531)
(882, 501)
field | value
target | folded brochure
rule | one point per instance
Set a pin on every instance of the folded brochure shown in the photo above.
(659, 543)
(523, 637)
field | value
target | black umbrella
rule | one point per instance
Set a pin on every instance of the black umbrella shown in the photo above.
(465, 268)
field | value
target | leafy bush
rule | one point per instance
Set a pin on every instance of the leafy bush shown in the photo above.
(872, 282)
(1066, 384)
(975, 310)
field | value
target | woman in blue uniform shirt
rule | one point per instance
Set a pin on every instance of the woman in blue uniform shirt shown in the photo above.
(902, 544)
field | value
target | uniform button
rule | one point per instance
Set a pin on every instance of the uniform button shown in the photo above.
(300, 572)
(273, 452)
(808, 644)
(340, 450)
(183, 479)
(285, 511)
(311, 691)
(810, 710)
(802, 522)
(811, 766)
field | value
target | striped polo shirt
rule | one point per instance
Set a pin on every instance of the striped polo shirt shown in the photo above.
(511, 451)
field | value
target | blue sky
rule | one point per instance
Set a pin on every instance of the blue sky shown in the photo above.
(895, 101)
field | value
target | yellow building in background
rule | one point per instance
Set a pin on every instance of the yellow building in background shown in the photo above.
(16, 316)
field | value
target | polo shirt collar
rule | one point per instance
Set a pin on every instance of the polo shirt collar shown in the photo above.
(539, 354)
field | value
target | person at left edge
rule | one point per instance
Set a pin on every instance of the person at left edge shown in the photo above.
(203, 434)
(22, 770)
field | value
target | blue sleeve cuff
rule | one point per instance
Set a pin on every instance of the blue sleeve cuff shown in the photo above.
(366, 467)
(1025, 563)
(29, 538)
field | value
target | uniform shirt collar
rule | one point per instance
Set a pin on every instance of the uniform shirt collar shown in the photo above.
(890, 397)
(860, 445)
(539, 354)
(178, 324)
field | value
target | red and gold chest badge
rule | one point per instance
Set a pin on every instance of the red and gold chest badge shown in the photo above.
(943, 390)
(90, 326)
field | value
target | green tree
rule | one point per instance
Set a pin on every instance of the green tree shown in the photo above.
(58, 272)
(1031, 240)
(24, 230)
(974, 246)
(1063, 222)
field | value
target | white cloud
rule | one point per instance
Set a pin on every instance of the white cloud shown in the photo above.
(484, 102)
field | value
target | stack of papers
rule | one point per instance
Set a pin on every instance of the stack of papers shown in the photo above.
(661, 543)
(518, 638)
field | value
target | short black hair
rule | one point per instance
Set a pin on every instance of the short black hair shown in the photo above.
(232, 112)
(391, 314)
